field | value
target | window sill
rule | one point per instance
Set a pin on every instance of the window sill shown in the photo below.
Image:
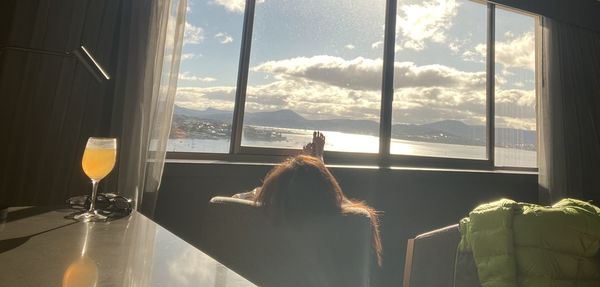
(353, 166)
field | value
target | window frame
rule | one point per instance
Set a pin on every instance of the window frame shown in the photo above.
(239, 153)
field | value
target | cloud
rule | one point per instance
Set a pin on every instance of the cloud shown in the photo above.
(429, 104)
(311, 99)
(224, 38)
(429, 21)
(190, 56)
(192, 34)
(514, 52)
(407, 74)
(234, 6)
(365, 74)
(332, 87)
(377, 44)
(476, 55)
(359, 73)
(220, 97)
(187, 76)
(314, 99)
(350, 47)
(517, 52)
(515, 102)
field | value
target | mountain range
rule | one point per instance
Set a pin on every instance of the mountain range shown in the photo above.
(446, 131)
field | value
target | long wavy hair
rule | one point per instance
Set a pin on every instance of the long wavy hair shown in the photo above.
(302, 186)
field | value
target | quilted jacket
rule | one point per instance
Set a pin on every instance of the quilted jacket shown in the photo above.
(527, 245)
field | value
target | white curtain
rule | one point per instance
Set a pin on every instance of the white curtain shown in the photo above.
(569, 113)
(149, 53)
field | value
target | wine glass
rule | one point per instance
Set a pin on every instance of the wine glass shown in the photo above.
(98, 160)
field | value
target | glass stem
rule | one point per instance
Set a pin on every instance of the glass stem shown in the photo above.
(93, 199)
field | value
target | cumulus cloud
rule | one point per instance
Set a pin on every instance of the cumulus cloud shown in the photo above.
(189, 56)
(407, 74)
(311, 99)
(332, 87)
(515, 102)
(314, 100)
(187, 76)
(350, 47)
(365, 74)
(359, 73)
(223, 38)
(377, 45)
(430, 104)
(234, 6)
(428, 21)
(192, 34)
(476, 54)
(220, 97)
(514, 52)
(517, 52)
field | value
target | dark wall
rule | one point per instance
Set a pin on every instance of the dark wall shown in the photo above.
(412, 201)
(50, 103)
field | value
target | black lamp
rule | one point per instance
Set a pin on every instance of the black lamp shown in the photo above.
(82, 54)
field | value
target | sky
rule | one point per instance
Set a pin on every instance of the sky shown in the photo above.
(323, 59)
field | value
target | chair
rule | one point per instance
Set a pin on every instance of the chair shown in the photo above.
(430, 258)
(333, 251)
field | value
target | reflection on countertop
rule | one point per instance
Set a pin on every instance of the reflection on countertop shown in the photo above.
(132, 251)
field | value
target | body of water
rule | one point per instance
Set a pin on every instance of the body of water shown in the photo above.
(346, 142)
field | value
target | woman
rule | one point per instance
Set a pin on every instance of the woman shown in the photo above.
(302, 187)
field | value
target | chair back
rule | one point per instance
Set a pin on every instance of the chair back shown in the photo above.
(329, 251)
(430, 258)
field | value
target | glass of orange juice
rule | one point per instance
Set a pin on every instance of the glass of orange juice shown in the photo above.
(98, 160)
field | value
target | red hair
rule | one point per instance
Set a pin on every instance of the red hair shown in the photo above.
(302, 186)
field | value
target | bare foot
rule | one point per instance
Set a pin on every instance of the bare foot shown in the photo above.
(308, 149)
(318, 144)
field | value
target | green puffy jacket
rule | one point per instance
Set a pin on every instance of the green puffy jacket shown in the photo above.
(527, 245)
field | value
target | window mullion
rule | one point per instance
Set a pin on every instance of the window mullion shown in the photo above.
(387, 83)
(490, 83)
(242, 79)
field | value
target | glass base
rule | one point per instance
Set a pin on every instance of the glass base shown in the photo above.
(92, 216)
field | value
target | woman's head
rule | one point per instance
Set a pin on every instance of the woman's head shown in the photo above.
(298, 187)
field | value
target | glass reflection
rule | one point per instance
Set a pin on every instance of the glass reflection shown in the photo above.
(83, 272)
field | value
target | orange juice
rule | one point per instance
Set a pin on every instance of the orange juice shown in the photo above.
(98, 162)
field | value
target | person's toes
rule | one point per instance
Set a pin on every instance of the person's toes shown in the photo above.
(307, 149)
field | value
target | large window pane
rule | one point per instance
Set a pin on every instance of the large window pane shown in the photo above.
(515, 89)
(439, 79)
(207, 79)
(315, 65)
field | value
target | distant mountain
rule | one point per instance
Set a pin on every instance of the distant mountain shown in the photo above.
(208, 114)
(281, 118)
(457, 128)
(447, 131)
(290, 119)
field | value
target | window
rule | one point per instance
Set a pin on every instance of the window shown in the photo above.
(208, 75)
(318, 65)
(515, 89)
(309, 71)
(439, 106)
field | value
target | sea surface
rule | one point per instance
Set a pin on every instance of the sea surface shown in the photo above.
(338, 141)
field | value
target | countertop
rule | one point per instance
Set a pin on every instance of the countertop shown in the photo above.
(43, 247)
